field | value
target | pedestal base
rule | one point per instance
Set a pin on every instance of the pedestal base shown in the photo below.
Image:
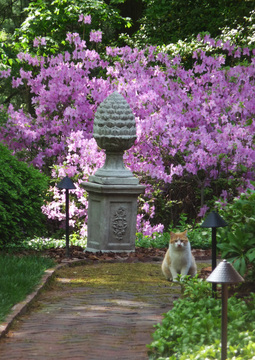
(112, 215)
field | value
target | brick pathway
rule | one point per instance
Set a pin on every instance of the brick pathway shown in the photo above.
(86, 323)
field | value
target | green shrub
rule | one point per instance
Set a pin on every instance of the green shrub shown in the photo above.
(200, 238)
(192, 329)
(21, 198)
(158, 241)
(238, 239)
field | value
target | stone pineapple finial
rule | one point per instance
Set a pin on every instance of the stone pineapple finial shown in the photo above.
(114, 131)
(114, 124)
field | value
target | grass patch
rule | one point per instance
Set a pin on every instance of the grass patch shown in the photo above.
(19, 275)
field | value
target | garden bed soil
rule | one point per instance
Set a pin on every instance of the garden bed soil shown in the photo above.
(140, 254)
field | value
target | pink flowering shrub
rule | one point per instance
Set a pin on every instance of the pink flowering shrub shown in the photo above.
(85, 19)
(196, 123)
(95, 36)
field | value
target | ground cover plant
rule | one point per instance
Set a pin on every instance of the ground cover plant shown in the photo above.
(193, 125)
(18, 277)
(192, 328)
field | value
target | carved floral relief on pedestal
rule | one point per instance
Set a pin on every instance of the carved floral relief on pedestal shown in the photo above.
(119, 223)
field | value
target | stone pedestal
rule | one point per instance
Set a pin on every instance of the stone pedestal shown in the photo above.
(113, 190)
(112, 216)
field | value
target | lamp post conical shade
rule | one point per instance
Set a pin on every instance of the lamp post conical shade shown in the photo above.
(214, 220)
(225, 273)
(66, 183)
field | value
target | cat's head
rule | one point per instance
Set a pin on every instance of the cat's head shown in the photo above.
(179, 240)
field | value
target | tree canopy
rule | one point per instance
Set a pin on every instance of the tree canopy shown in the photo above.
(165, 22)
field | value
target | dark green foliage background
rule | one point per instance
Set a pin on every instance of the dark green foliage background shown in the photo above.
(168, 21)
(21, 197)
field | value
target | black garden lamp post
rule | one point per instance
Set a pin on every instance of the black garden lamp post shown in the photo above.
(67, 184)
(224, 274)
(214, 220)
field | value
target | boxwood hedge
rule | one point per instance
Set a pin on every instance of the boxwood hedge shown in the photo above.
(22, 190)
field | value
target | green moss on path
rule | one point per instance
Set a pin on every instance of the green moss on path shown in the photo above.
(141, 279)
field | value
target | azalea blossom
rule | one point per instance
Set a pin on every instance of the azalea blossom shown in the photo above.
(95, 36)
(86, 19)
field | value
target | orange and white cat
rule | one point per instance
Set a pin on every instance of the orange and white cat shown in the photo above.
(178, 258)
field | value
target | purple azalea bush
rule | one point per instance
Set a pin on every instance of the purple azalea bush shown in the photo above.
(189, 121)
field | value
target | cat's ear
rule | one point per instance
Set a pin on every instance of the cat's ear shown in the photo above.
(171, 234)
(185, 232)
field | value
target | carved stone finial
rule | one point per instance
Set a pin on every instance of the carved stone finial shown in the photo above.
(114, 124)
(114, 131)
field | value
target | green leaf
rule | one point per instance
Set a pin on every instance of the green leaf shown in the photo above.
(240, 265)
(251, 255)
(249, 122)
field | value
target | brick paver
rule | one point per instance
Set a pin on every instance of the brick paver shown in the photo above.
(86, 323)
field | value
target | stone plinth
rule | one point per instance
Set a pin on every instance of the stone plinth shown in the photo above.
(113, 190)
(112, 216)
